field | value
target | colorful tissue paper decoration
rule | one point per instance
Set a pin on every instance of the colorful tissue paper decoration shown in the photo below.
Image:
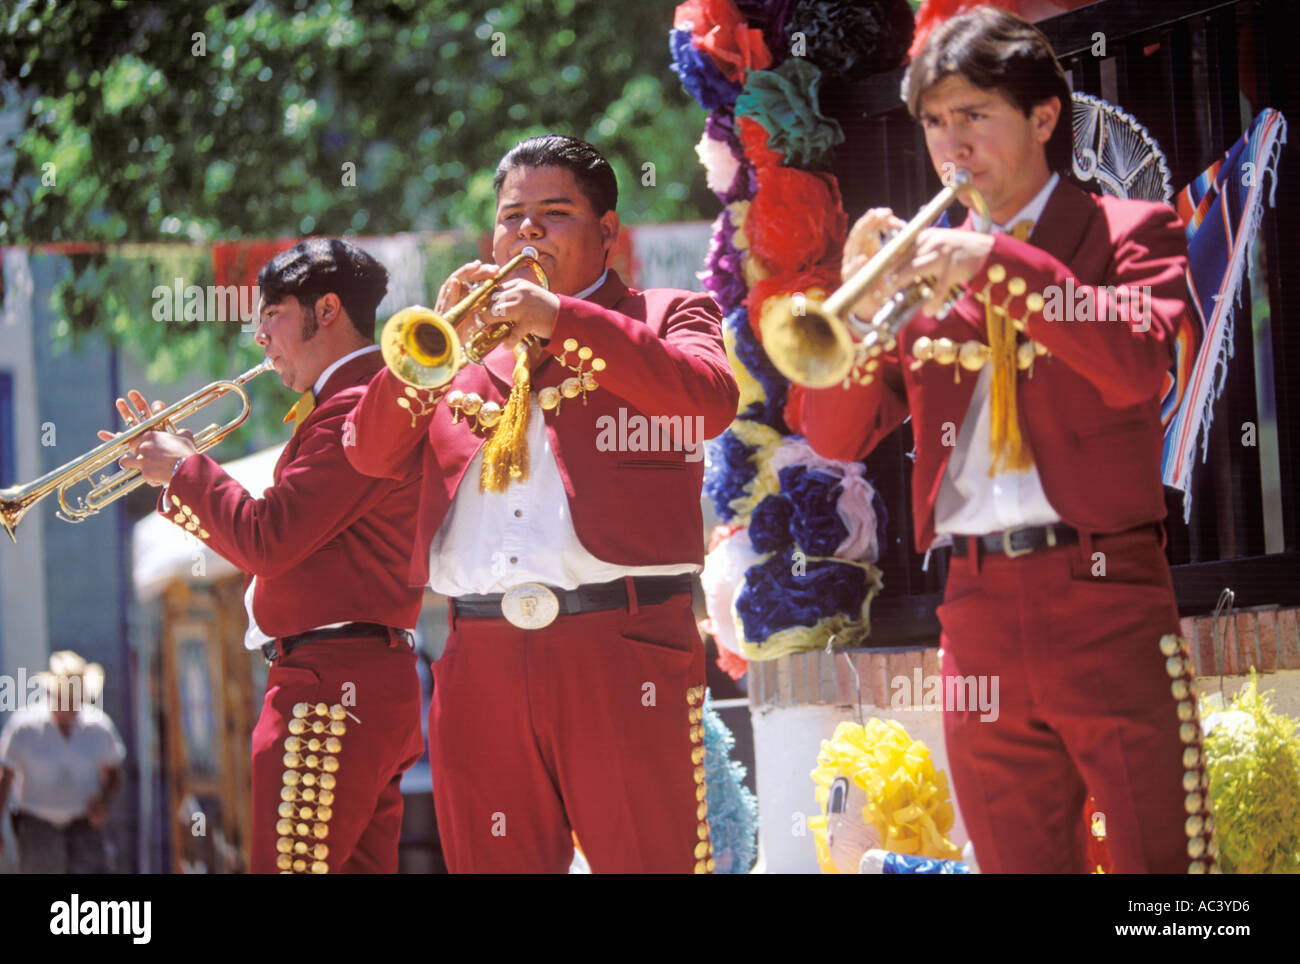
(1252, 754)
(784, 102)
(761, 68)
(849, 39)
(904, 801)
(717, 28)
(730, 554)
(733, 808)
(886, 862)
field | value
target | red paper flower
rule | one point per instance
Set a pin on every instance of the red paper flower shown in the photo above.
(796, 219)
(825, 277)
(753, 140)
(731, 664)
(719, 29)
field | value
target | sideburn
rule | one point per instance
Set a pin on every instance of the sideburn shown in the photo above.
(309, 323)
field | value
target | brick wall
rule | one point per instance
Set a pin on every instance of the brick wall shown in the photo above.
(1267, 639)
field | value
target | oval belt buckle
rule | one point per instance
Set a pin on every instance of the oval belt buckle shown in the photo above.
(530, 605)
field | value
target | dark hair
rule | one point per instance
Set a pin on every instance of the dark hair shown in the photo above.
(319, 266)
(595, 177)
(996, 50)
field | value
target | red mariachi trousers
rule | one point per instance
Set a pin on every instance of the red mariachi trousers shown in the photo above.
(591, 726)
(1085, 705)
(340, 723)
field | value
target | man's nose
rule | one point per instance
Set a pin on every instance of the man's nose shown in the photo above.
(959, 148)
(260, 336)
(950, 145)
(528, 228)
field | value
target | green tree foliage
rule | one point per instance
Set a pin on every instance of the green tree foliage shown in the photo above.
(197, 121)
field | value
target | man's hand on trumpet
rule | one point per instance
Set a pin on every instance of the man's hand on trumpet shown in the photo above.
(946, 257)
(155, 454)
(530, 308)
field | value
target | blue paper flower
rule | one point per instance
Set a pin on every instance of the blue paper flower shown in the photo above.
(769, 525)
(814, 524)
(700, 77)
(778, 594)
(729, 469)
(751, 354)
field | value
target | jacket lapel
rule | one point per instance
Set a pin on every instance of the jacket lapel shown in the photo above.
(1065, 223)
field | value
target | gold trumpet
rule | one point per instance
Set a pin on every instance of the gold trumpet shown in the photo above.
(15, 501)
(813, 343)
(421, 347)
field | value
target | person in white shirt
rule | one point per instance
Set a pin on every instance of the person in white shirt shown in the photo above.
(61, 758)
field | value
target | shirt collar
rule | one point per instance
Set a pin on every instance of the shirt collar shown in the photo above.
(582, 295)
(1034, 209)
(339, 363)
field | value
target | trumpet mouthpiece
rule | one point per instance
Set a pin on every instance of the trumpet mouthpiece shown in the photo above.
(531, 252)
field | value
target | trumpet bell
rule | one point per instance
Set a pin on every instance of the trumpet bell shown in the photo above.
(420, 347)
(813, 344)
(810, 346)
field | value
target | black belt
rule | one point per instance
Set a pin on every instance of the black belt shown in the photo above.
(595, 597)
(288, 644)
(1017, 542)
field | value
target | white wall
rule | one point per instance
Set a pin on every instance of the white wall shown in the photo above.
(23, 631)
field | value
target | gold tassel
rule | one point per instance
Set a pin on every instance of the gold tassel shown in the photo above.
(505, 455)
(1005, 443)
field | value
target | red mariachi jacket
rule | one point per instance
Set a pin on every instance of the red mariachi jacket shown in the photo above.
(663, 355)
(326, 543)
(1090, 411)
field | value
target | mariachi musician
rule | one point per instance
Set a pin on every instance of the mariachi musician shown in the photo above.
(1037, 459)
(326, 550)
(569, 697)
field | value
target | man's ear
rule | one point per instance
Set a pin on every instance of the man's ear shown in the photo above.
(608, 230)
(1045, 117)
(328, 308)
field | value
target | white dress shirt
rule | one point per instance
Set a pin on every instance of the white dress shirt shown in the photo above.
(491, 541)
(970, 501)
(58, 776)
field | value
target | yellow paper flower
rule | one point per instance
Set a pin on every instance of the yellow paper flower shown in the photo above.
(907, 798)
